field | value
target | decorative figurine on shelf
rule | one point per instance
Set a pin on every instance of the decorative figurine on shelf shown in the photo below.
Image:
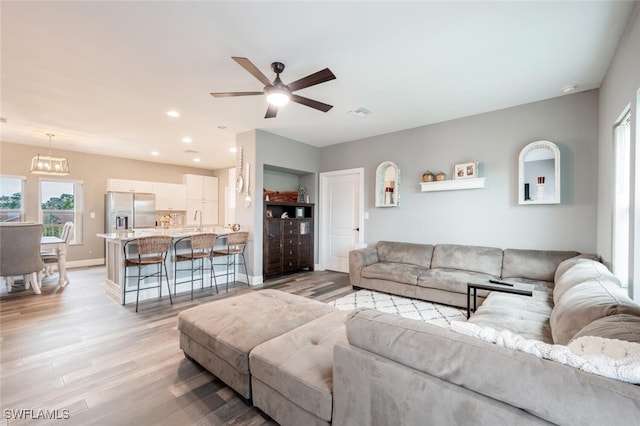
(441, 176)
(427, 176)
(284, 215)
(302, 191)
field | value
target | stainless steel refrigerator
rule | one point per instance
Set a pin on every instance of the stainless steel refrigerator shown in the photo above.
(139, 210)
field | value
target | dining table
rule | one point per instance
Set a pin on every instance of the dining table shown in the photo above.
(59, 246)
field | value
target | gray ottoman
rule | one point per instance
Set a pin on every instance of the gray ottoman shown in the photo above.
(292, 375)
(219, 335)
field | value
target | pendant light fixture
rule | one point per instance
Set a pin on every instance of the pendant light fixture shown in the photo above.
(49, 165)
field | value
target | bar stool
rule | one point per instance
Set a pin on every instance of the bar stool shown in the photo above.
(236, 242)
(151, 251)
(201, 248)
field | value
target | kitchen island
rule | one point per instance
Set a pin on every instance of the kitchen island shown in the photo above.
(115, 284)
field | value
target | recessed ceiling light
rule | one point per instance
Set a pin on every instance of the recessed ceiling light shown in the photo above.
(569, 89)
(187, 139)
(173, 113)
(222, 127)
(155, 153)
(196, 159)
(233, 149)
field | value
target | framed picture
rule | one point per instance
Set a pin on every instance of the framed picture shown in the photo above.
(299, 211)
(269, 213)
(465, 170)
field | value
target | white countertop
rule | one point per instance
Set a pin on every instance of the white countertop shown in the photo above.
(172, 232)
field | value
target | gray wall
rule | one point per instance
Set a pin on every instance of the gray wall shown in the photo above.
(489, 216)
(618, 91)
(262, 149)
(280, 181)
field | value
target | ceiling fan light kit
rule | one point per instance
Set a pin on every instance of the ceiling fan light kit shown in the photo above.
(277, 97)
(278, 93)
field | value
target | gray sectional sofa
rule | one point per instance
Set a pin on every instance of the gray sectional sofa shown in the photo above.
(303, 362)
(440, 273)
(399, 371)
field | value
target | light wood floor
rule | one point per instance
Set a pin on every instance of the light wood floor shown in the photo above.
(77, 349)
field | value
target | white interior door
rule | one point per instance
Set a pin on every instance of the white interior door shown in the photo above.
(341, 217)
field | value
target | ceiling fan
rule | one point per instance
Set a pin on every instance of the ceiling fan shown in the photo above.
(278, 93)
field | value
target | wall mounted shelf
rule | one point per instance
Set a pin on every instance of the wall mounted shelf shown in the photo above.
(452, 185)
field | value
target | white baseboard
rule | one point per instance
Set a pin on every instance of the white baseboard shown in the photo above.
(85, 263)
(318, 267)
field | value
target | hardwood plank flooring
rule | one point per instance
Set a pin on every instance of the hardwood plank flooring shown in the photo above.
(78, 350)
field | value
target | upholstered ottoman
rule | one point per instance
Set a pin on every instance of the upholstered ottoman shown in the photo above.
(219, 335)
(292, 375)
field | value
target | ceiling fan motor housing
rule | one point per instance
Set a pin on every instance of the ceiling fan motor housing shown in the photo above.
(277, 67)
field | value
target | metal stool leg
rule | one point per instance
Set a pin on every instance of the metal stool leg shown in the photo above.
(164, 263)
(213, 274)
(160, 273)
(138, 290)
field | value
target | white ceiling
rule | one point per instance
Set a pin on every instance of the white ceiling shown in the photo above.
(101, 75)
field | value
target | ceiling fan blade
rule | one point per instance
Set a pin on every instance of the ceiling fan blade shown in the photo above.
(229, 94)
(271, 111)
(248, 65)
(312, 80)
(311, 103)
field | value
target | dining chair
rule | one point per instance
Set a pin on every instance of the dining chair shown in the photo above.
(236, 243)
(20, 253)
(150, 251)
(51, 258)
(195, 249)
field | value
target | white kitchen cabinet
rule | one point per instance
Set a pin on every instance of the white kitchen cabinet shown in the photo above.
(125, 185)
(202, 194)
(170, 196)
(178, 195)
(210, 212)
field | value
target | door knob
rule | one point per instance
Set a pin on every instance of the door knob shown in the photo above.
(357, 229)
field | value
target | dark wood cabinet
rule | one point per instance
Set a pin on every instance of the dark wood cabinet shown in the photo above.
(288, 240)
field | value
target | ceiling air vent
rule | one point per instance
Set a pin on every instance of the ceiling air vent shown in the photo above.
(360, 112)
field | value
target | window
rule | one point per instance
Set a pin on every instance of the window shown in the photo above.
(622, 198)
(61, 201)
(11, 198)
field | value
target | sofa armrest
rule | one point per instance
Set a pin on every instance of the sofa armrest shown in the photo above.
(358, 259)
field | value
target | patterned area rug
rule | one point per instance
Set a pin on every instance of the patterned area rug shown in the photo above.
(434, 313)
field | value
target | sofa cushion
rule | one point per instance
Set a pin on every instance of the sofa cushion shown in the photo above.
(229, 327)
(523, 315)
(621, 327)
(584, 303)
(399, 272)
(414, 254)
(299, 364)
(575, 271)
(533, 264)
(453, 280)
(566, 264)
(487, 260)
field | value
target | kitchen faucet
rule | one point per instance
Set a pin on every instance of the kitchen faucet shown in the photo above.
(194, 218)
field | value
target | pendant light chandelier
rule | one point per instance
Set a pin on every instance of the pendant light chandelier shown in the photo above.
(49, 165)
